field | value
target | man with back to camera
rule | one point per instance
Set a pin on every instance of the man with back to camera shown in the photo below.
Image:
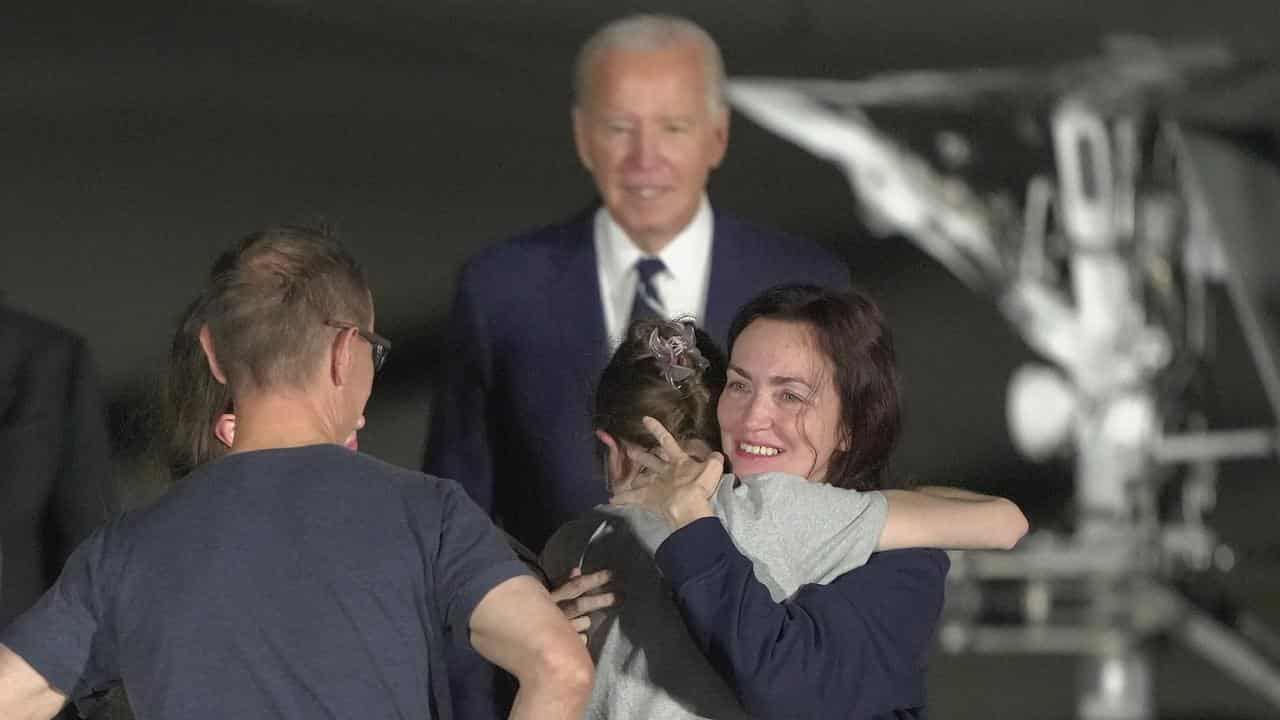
(292, 578)
(535, 318)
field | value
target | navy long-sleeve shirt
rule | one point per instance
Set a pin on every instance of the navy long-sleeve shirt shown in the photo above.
(856, 648)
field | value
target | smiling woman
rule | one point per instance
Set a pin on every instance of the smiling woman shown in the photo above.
(812, 388)
(779, 411)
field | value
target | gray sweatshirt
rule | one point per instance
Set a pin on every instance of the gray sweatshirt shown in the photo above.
(647, 666)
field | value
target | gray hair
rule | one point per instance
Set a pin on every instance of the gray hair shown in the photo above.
(651, 32)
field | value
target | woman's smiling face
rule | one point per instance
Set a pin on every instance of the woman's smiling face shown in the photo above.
(779, 411)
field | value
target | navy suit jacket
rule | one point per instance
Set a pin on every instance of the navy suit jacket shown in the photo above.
(526, 345)
(55, 459)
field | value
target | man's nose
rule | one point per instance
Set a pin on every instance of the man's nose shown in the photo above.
(645, 150)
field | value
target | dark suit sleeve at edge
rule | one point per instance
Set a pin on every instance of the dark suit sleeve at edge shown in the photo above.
(458, 442)
(85, 495)
(854, 648)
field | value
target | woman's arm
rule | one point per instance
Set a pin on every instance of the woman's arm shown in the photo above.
(859, 644)
(951, 518)
(941, 517)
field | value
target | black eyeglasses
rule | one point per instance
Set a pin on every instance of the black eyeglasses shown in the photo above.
(380, 345)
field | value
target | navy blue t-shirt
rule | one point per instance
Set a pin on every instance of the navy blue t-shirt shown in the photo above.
(310, 582)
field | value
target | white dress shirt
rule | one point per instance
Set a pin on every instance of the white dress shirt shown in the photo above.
(682, 286)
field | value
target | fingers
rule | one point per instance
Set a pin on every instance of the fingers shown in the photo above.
(579, 584)
(587, 604)
(581, 595)
(564, 592)
(628, 497)
(709, 479)
(697, 449)
(670, 446)
(647, 460)
(642, 480)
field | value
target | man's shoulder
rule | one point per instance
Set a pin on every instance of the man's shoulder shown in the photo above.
(404, 479)
(328, 464)
(531, 249)
(782, 256)
(767, 239)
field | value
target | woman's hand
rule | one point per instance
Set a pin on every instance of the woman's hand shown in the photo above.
(679, 486)
(580, 595)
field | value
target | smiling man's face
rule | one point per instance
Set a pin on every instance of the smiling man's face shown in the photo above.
(650, 135)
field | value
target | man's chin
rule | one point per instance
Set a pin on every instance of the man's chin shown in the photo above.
(650, 224)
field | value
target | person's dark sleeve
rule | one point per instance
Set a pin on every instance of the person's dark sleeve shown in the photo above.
(458, 441)
(84, 495)
(473, 558)
(854, 648)
(66, 636)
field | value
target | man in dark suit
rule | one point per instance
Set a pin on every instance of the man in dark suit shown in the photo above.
(55, 460)
(535, 318)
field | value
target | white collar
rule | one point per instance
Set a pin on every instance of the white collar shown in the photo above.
(683, 286)
(687, 252)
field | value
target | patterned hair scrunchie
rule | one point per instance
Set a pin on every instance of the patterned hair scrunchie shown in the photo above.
(677, 355)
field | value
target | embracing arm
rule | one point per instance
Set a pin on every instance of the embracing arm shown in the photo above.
(858, 644)
(458, 442)
(933, 516)
(951, 518)
(843, 527)
(24, 693)
(517, 627)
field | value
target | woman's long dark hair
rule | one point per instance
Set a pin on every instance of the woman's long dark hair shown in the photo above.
(192, 398)
(848, 328)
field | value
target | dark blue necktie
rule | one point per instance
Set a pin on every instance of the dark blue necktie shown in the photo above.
(647, 304)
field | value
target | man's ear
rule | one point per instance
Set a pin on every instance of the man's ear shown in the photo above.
(720, 131)
(224, 428)
(615, 459)
(580, 136)
(340, 359)
(206, 344)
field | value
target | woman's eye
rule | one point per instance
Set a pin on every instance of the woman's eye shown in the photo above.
(737, 386)
(791, 397)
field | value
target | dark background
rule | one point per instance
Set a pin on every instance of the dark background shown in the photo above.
(137, 138)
